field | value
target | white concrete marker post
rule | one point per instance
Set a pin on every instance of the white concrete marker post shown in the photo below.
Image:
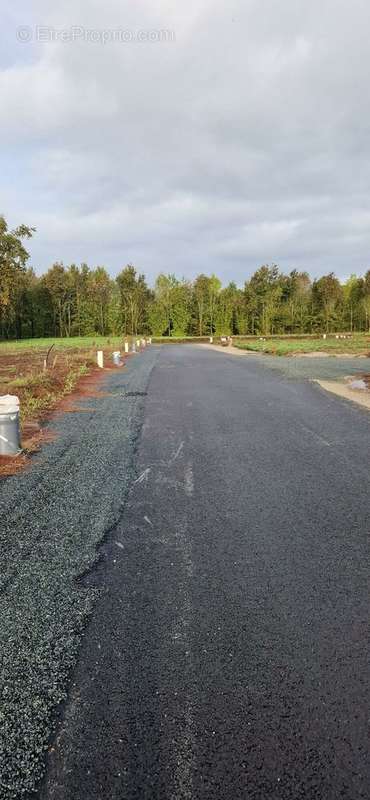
(126, 347)
(100, 359)
(211, 339)
(138, 343)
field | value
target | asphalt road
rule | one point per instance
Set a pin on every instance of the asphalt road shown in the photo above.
(228, 655)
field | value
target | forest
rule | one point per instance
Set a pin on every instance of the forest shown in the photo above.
(81, 300)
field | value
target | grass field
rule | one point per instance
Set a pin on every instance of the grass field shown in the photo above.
(359, 345)
(180, 339)
(84, 342)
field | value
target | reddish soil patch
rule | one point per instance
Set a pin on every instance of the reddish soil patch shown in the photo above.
(10, 465)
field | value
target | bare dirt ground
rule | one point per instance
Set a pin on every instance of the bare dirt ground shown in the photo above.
(230, 350)
(70, 377)
(359, 396)
(328, 354)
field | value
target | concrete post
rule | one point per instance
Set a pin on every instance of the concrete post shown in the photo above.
(100, 359)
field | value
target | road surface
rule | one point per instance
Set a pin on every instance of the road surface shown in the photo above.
(228, 655)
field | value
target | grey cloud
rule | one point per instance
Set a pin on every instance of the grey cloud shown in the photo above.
(244, 141)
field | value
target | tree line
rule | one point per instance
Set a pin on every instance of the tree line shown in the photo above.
(71, 300)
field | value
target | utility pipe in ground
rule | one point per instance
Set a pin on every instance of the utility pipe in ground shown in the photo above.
(10, 437)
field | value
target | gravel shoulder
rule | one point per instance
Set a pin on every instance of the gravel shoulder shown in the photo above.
(53, 518)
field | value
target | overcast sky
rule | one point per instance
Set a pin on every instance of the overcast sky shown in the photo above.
(240, 137)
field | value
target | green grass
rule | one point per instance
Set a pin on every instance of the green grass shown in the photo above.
(284, 347)
(179, 339)
(28, 381)
(60, 344)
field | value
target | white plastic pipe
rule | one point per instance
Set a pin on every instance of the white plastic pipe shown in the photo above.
(10, 441)
(9, 404)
